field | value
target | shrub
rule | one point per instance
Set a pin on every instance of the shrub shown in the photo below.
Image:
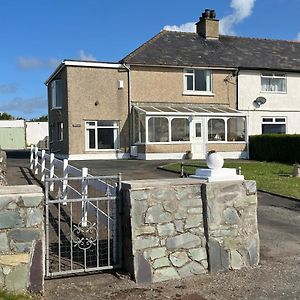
(283, 148)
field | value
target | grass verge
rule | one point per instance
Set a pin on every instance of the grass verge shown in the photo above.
(5, 295)
(270, 177)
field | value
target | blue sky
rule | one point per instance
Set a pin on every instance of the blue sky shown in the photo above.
(37, 34)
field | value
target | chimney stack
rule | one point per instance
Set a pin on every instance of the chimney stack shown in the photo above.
(208, 25)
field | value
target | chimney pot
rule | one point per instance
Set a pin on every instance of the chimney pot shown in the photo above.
(212, 14)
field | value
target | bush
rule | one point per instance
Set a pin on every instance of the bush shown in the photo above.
(283, 148)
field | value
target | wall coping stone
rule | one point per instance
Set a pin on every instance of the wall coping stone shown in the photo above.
(154, 183)
(20, 189)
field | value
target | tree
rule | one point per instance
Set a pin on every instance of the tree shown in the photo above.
(43, 118)
(6, 116)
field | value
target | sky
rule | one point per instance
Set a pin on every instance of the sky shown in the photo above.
(36, 35)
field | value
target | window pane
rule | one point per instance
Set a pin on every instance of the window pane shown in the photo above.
(267, 119)
(105, 123)
(189, 82)
(200, 80)
(198, 132)
(236, 129)
(265, 84)
(280, 120)
(158, 130)
(273, 128)
(278, 84)
(91, 135)
(216, 130)
(180, 129)
(105, 138)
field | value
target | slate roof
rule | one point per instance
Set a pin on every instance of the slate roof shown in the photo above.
(172, 48)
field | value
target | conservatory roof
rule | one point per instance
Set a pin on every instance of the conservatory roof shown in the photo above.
(199, 110)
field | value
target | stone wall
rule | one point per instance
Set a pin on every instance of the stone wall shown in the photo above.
(21, 238)
(179, 227)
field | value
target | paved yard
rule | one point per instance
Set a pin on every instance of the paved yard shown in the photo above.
(277, 277)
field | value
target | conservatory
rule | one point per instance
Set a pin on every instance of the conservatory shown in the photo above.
(181, 131)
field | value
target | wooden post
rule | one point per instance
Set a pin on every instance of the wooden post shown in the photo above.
(36, 160)
(84, 195)
(43, 165)
(51, 175)
(65, 181)
(31, 157)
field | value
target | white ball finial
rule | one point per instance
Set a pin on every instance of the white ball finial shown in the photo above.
(214, 160)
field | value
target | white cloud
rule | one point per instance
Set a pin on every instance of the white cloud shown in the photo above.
(298, 37)
(19, 105)
(27, 63)
(241, 10)
(187, 27)
(86, 56)
(8, 88)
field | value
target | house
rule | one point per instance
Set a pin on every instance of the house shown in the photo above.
(177, 93)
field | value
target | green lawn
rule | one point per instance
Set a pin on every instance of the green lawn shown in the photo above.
(271, 177)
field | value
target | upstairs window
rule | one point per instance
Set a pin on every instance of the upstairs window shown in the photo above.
(56, 94)
(197, 81)
(273, 82)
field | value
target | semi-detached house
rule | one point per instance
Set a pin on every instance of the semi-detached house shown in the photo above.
(178, 93)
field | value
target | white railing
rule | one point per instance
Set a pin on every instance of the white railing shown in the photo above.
(38, 165)
(38, 161)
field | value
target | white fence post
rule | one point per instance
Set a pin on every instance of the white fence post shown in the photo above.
(65, 181)
(36, 160)
(51, 175)
(43, 166)
(84, 195)
(31, 157)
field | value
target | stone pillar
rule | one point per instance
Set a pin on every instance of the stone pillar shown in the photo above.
(21, 238)
(164, 236)
(230, 211)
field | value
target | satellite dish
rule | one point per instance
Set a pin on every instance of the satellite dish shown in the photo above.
(260, 100)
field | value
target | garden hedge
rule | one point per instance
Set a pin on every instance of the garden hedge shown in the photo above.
(283, 148)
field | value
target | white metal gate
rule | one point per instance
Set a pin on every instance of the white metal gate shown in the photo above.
(82, 232)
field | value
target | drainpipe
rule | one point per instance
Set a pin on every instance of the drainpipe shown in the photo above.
(127, 67)
(248, 112)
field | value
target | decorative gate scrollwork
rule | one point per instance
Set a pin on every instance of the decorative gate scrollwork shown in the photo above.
(84, 237)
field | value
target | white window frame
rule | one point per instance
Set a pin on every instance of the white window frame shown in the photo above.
(273, 75)
(56, 94)
(60, 131)
(275, 120)
(209, 87)
(115, 126)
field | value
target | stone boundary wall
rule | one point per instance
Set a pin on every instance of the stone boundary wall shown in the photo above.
(21, 238)
(180, 227)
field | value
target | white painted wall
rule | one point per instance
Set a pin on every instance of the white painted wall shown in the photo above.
(36, 132)
(277, 104)
(12, 123)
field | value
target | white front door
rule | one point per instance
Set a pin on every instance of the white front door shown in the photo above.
(197, 138)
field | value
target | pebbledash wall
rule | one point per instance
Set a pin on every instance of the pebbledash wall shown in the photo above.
(21, 238)
(180, 227)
